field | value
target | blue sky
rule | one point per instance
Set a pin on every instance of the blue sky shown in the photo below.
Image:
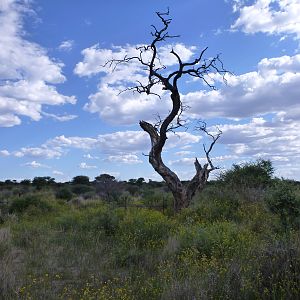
(60, 112)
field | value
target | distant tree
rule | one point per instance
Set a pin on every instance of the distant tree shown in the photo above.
(251, 174)
(40, 182)
(25, 182)
(132, 181)
(169, 79)
(8, 182)
(105, 178)
(81, 179)
(140, 181)
(108, 187)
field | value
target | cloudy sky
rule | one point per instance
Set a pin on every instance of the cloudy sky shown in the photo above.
(61, 113)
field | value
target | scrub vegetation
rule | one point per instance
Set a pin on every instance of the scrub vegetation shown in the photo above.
(105, 239)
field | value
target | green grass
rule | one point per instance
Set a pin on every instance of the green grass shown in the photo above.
(221, 248)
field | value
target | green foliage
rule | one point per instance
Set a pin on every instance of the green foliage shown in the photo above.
(25, 182)
(105, 178)
(40, 182)
(252, 174)
(219, 239)
(108, 188)
(21, 204)
(81, 179)
(64, 193)
(139, 182)
(221, 247)
(80, 189)
(144, 228)
(283, 201)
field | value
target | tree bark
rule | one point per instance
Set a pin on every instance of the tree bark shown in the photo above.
(183, 194)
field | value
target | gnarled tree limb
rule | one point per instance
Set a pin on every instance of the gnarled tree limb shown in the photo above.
(200, 68)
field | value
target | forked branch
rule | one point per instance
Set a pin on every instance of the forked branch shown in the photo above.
(157, 74)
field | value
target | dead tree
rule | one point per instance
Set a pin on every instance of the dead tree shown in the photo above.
(200, 68)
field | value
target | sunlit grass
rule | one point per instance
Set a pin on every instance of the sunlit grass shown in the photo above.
(221, 248)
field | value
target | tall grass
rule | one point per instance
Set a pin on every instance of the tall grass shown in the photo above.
(223, 247)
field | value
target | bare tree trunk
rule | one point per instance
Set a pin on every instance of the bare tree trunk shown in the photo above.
(182, 194)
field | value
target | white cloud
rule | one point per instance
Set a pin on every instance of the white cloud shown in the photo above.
(183, 153)
(38, 152)
(58, 173)
(9, 120)
(118, 147)
(95, 60)
(246, 95)
(35, 165)
(66, 45)
(269, 16)
(84, 165)
(63, 118)
(278, 140)
(127, 107)
(274, 87)
(71, 142)
(4, 153)
(181, 139)
(89, 156)
(27, 73)
(188, 161)
(124, 159)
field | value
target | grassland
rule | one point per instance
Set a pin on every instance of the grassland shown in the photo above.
(226, 246)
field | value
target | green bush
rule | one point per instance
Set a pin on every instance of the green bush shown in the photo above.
(282, 200)
(64, 193)
(219, 239)
(144, 228)
(249, 180)
(80, 189)
(21, 204)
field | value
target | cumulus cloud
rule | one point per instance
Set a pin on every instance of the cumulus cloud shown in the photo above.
(269, 16)
(124, 159)
(119, 142)
(127, 107)
(61, 141)
(58, 173)
(183, 153)
(66, 45)
(35, 165)
(43, 152)
(246, 95)
(28, 76)
(189, 161)
(119, 147)
(274, 87)
(4, 153)
(84, 165)
(276, 139)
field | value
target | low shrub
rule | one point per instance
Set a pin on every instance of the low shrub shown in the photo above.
(64, 193)
(283, 201)
(219, 239)
(144, 228)
(21, 204)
